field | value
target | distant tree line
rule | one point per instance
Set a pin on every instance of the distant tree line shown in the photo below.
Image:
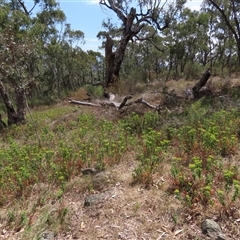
(41, 58)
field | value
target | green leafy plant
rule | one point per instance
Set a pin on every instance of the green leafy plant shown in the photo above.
(153, 152)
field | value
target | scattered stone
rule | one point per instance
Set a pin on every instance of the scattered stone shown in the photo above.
(47, 235)
(221, 237)
(101, 181)
(89, 171)
(94, 199)
(189, 94)
(212, 230)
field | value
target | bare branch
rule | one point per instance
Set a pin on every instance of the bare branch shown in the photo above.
(117, 105)
(84, 103)
(123, 103)
(24, 7)
(113, 7)
(235, 17)
(29, 12)
(225, 18)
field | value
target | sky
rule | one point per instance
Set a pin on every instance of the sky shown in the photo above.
(88, 15)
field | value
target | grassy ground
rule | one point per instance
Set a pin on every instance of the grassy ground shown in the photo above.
(161, 174)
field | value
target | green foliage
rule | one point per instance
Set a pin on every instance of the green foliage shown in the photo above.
(199, 173)
(153, 151)
(196, 153)
(137, 124)
(65, 149)
(94, 91)
(197, 111)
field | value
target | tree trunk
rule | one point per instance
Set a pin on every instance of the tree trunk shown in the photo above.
(11, 113)
(21, 102)
(2, 123)
(114, 59)
(201, 83)
(109, 58)
(19, 116)
(238, 46)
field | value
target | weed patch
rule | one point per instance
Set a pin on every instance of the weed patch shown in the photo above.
(199, 172)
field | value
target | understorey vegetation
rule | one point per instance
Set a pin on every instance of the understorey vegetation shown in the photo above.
(199, 148)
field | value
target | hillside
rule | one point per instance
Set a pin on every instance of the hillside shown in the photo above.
(81, 172)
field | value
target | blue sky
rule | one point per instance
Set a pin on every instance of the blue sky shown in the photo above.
(87, 16)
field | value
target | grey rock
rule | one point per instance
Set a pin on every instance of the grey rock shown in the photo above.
(47, 235)
(189, 94)
(212, 230)
(89, 171)
(101, 181)
(94, 199)
(221, 237)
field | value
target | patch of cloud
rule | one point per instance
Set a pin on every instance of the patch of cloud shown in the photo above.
(93, 2)
(194, 4)
(91, 44)
(93, 47)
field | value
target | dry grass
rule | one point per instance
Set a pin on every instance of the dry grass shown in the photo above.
(130, 212)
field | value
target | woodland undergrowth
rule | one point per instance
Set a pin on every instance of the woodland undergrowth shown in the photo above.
(199, 146)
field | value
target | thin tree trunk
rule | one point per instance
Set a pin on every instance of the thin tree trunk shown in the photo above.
(21, 102)
(2, 123)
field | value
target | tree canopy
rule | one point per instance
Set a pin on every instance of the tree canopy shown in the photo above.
(42, 57)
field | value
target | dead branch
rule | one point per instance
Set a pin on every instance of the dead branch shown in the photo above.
(124, 101)
(117, 105)
(149, 105)
(84, 103)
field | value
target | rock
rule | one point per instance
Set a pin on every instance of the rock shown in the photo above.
(221, 237)
(89, 171)
(189, 94)
(94, 199)
(101, 181)
(212, 230)
(47, 235)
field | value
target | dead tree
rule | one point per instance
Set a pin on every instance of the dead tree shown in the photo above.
(133, 21)
(109, 58)
(201, 83)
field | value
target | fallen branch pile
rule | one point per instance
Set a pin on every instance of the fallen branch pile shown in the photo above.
(117, 105)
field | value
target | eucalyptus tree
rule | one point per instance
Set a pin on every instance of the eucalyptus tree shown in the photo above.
(144, 61)
(134, 16)
(60, 69)
(186, 44)
(22, 51)
(229, 14)
(18, 54)
(96, 67)
(222, 44)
